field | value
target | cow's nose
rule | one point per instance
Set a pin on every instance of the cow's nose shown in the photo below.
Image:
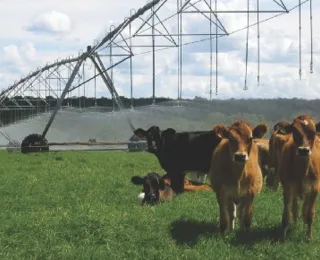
(240, 157)
(304, 151)
(151, 200)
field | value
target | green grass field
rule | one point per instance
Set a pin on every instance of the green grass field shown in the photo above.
(82, 205)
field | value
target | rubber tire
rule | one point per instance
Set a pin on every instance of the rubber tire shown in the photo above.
(29, 142)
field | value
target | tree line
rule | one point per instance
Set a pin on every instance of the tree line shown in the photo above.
(270, 110)
(19, 108)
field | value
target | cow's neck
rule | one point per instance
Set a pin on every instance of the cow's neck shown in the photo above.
(303, 165)
(161, 152)
(237, 170)
(165, 193)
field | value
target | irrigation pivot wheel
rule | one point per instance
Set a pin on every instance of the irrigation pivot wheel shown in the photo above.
(34, 143)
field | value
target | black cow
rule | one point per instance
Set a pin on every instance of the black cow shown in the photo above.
(155, 189)
(182, 152)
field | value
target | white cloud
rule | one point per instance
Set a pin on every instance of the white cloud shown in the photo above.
(29, 51)
(51, 22)
(11, 55)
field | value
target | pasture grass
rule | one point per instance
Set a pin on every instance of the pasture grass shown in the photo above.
(82, 205)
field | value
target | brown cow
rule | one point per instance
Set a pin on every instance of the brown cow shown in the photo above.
(235, 173)
(300, 172)
(158, 188)
(276, 142)
(263, 148)
(191, 186)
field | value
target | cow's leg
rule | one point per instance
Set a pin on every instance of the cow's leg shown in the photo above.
(265, 171)
(177, 181)
(273, 178)
(276, 178)
(223, 209)
(304, 209)
(194, 188)
(310, 209)
(232, 209)
(295, 210)
(270, 177)
(287, 202)
(246, 212)
(240, 208)
(239, 211)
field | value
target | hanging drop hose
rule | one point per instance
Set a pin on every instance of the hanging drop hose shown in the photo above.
(258, 39)
(247, 47)
(311, 40)
(300, 71)
(107, 80)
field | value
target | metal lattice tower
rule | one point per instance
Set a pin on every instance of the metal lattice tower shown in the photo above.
(158, 25)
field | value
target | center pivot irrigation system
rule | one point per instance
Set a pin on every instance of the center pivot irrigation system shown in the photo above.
(146, 31)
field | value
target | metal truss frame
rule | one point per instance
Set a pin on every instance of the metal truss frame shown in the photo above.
(117, 46)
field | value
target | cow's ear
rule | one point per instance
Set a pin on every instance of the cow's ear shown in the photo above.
(140, 132)
(278, 126)
(285, 129)
(259, 131)
(166, 179)
(221, 131)
(318, 127)
(155, 128)
(137, 180)
(170, 131)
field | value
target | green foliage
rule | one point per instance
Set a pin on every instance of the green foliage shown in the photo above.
(216, 111)
(82, 205)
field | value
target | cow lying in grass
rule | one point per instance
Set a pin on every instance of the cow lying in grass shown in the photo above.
(154, 190)
(235, 173)
(300, 171)
(179, 153)
(157, 189)
(190, 185)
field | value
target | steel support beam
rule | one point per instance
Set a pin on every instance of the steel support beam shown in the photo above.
(107, 80)
(115, 39)
(63, 94)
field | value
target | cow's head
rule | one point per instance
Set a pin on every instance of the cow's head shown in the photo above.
(303, 130)
(240, 136)
(152, 184)
(153, 137)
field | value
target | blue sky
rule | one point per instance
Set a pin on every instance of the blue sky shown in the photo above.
(49, 30)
